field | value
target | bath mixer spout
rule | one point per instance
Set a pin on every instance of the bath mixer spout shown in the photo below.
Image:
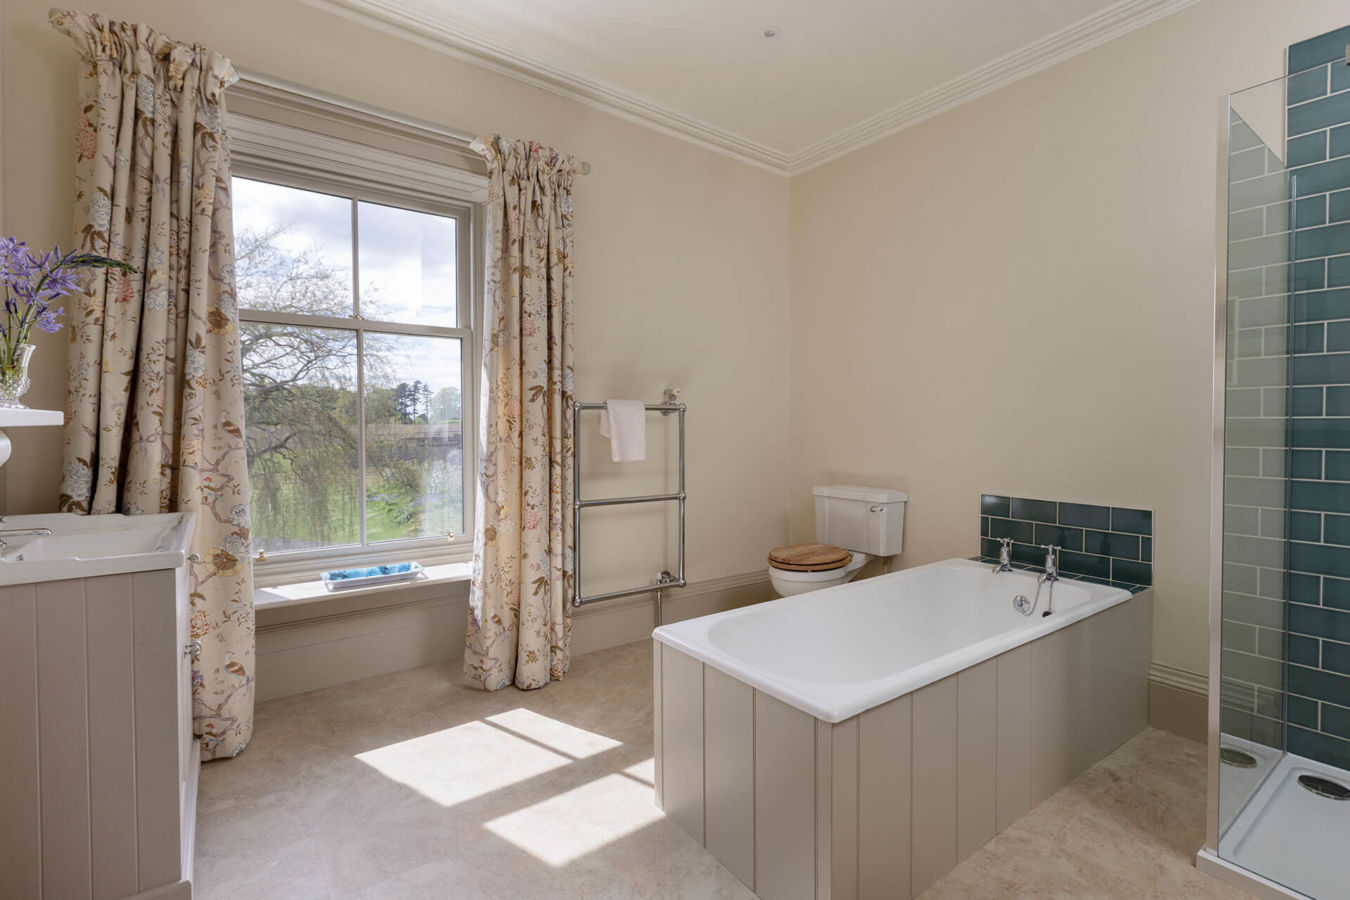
(1004, 556)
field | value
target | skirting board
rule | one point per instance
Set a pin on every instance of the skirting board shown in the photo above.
(300, 652)
(1178, 701)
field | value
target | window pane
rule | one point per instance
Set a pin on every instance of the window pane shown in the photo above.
(414, 437)
(293, 249)
(303, 452)
(407, 265)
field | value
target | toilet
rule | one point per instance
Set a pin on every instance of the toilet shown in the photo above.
(854, 523)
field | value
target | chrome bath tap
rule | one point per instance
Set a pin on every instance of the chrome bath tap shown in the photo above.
(1051, 575)
(1004, 556)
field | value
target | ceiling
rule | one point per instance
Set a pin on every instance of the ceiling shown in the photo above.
(837, 75)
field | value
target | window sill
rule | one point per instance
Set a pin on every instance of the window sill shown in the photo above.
(311, 593)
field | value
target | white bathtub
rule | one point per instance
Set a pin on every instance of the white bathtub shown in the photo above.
(836, 652)
(858, 741)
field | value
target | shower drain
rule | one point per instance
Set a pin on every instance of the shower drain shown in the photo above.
(1324, 787)
(1238, 758)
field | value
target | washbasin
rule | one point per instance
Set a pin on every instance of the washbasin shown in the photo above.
(86, 546)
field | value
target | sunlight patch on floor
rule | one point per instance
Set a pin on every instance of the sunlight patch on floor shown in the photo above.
(580, 821)
(644, 771)
(568, 739)
(463, 762)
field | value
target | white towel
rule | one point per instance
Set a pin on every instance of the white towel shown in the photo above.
(624, 422)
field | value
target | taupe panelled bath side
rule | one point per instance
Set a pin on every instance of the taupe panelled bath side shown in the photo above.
(519, 620)
(154, 417)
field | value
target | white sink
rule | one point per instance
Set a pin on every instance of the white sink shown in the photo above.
(87, 546)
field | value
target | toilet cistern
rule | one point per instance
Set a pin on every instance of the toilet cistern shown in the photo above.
(854, 523)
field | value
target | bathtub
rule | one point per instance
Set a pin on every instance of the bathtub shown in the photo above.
(858, 741)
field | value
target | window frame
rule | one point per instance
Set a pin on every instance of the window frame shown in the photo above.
(374, 180)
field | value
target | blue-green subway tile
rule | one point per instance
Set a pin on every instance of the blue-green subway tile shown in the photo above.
(1305, 588)
(1083, 564)
(1306, 463)
(1338, 270)
(1338, 336)
(1247, 164)
(989, 548)
(1318, 178)
(1304, 651)
(1335, 529)
(1338, 401)
(1308, 338)
(1252, 669)
(1314, 51)
(1339, 141)
(1134, 521)
(1272, 582)
(1319, 433)
(993, 505)
(1277, 221)
(984, 526)
(1306, 401)
(1064, 538)
(1309, 148)
(1338, 465)
(1146, 549)
(1324, 368)
(1266, 251)
(1037, 510)
(1320, 496)
(1027, 554)
(1250, 223)
(1310, 275)
(1131, 572)
(1319, 685)
(1301, 712)
(1314, 745)
(1323, 113)
(1318, 621)
(1336, 593)
(1319, 559)
(1305, 526)
(1083, 515)
(1340, 77)
(1328, 240)
(1335, 657)
(1238, 636)
(1336, 721)
(1023, 532)
(1270, 703)
(1306, 85)
(1338, 204)
(1104, 543)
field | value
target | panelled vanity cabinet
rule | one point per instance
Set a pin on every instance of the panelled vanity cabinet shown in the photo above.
(98, 765)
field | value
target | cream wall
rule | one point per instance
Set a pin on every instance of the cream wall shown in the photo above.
(1017, 297)
(681, 273)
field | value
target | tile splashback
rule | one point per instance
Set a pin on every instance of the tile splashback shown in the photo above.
(1110, 543)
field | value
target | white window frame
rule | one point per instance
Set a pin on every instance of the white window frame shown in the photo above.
(264, 150)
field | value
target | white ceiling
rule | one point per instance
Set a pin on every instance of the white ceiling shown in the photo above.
(839, 73)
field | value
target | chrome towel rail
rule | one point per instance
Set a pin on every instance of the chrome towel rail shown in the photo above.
(664, 580)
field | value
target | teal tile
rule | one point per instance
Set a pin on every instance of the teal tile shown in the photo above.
(1320, 496)
(1083, 515)
(1336, 720)
(1338, 336)
(1315, 745)
(1239, 636)
(1307, 85)
(1340, 78)
(1304, 651)
(1122, 546)
(1146, 549)
(1035, 510)
(1022, 532)
(1338, 141)
(1338, 401)
(992, 505)
(1301, 712)
(1085, 564)
(1336, 593)
(1328, 240)
(1252, 609)
(1335, 657)
(1307, 401)
(1319, 433)
(1335, 529)
(1309, 338)
(1305, 588)
(1319, 559)
(1275, 188)
(1305, 526)
(1251, 223)
(1328, 368)
(1309, 148)
(1277, 222)
(1319, 684)
(1338, 465)
(1058, 536)
(1131, 572)
(1338, 270)
(1306, 463)
(1247, 164)
(1270, 703)
(1252, 669)
(1314, 51)
(1134, 521)
(1308, 212)
(1324, 113)
(1338, 204)
(1318, 621)
(1310, 276)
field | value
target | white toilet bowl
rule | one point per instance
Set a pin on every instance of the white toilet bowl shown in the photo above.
(786, 582)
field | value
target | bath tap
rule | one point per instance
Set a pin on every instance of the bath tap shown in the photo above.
(1051, 575)
(19, 532)
(1004, 556)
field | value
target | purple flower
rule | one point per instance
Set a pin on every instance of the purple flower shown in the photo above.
(46, 321)
(60, 283)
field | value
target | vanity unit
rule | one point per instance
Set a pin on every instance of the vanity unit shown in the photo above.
(98, 765)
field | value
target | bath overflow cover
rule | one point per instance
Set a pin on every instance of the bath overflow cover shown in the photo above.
(1324, 787)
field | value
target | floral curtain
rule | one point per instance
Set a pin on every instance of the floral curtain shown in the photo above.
(519, 608)
(154, 418)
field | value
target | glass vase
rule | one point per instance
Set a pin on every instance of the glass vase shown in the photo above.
(14, 374)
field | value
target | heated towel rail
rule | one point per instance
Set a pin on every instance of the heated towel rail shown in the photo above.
(665, 580)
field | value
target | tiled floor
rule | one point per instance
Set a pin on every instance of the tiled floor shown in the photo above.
(411, 785)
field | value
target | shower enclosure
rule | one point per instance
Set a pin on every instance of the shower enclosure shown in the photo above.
(1279, 789)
